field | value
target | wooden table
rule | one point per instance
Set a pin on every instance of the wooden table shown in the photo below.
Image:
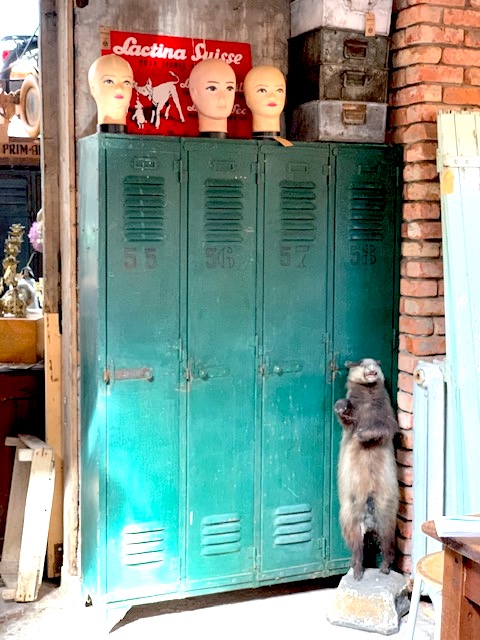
(461, 586)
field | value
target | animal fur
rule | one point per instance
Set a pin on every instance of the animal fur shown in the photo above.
(367, 470)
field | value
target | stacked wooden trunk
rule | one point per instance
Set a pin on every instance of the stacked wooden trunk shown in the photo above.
(337, 70)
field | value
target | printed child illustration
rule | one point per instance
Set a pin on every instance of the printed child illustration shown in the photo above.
(138, 115)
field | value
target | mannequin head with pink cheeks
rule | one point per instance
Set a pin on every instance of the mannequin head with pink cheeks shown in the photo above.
(212, 89)
(264, 88)
(110, 79)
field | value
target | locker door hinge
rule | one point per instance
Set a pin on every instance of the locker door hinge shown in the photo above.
(259, 171)
(255, 558)
(324, 548)
(182, 173)
(394, 339)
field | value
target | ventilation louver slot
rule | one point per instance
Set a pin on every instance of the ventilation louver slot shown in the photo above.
(298, 218)
(144, 208)
(221, 534)
(367, 211)
(143, 544)
(223, 211)
(292, 524)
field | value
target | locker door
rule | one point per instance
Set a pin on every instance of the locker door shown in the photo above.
(142, 358)
(221, 362)
(294, 325)
(366, 278)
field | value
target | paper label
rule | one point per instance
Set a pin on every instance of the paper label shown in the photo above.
(370, 24)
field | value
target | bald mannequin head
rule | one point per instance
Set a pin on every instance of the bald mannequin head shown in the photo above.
(212, 89)
(264, 88)
(110, 79)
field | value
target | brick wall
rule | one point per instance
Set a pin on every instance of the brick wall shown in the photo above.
(435, 66)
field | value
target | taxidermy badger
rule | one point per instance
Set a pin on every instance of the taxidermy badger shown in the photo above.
(367, 471)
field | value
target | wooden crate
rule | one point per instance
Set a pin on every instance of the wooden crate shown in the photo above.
(21, 340)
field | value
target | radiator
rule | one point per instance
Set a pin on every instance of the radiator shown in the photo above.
(429, 433)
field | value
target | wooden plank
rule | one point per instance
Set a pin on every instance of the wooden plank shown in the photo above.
(14, 523)
(28, 517)
(38, 506)
(53, 436)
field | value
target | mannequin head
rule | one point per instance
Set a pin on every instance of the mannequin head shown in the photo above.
(110, 79)
(212, 89)
(264, 88)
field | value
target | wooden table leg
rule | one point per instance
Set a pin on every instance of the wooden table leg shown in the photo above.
(460, 598)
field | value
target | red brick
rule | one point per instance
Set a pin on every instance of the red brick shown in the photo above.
(420, 151)
(405, 401)
(426, 345)
(419, 210)
(405, 546)
(472, 38)
(441, 288)
(405, 475)
(439, 326)
(415, 55)
(405, 510)
(405, 382)
(464, 95)
(420, 93)
(428, 34)
(418, 289)
(423, 112)
(416, 325)
(398, 79)
(407, 362)
(424, 306)
(421, 191)
(402, 344)
(404, 528)
(472, 76)
(462, 17)
(404, 564)
(424, 230)
(433, 73)
(398, 40)
(405, 457)
(417, 132)
(417, 14)
(403, 230)
(406, 433)
(421, 171)
(475, 4)
(421, 249)
(458, 56)
(424, 269)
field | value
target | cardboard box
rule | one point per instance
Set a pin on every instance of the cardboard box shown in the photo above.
(21, 340)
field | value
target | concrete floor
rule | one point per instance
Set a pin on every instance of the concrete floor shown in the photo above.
(282, 613)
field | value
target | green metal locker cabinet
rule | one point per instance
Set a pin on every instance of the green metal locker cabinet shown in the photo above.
(222, 286)
(366, 191)
(130, 357)
(293, 319)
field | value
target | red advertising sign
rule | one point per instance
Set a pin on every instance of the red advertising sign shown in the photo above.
(161, 65)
